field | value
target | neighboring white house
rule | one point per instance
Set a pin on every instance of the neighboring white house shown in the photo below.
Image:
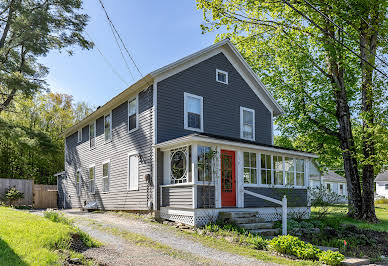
(382, 184)
(329, 179)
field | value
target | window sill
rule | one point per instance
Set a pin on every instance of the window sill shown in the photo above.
(253, 139)
(108, 141)
(133, 130)
(178, 185)
(274, 186)
(194, 129)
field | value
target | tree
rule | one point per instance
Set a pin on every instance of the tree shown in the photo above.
(31, 29)
(325, 61)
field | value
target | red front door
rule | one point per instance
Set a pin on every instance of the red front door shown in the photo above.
(228, 179)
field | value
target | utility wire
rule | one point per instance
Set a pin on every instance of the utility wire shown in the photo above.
(121, 40)
(341, 29)
(332, 37)
(107, 62)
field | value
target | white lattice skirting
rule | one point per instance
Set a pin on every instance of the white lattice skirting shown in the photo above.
(201, 217)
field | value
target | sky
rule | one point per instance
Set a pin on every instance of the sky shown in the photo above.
(155, 32)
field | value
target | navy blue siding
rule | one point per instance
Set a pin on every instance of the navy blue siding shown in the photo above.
(221, 102)
(295, 197)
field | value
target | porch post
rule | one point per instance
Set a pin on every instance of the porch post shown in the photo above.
(194, 172)
(240, 179)
(284, 215)
(217, 179)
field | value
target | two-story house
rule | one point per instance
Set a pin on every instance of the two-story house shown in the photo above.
(188, 140)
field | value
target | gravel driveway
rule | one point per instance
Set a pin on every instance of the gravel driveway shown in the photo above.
(122, 252)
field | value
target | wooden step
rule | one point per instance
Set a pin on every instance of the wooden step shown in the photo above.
(255, 226)
(247, 220)
(231, 215)
(266, 232)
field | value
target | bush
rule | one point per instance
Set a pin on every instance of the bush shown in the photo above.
(382, 201)
(13, 195)
(331, 258)
(291, 245)
(257, 242)
(57, 217)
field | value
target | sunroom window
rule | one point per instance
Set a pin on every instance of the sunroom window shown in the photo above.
(266, 169)
(250, 168)
(278, 170)
(299, 172)
(180, 166)
(193, 119)
(205, 159)
(289, 170)
(247, 123)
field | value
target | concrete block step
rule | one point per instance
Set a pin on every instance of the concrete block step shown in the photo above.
(355, 262)
(247, 220)
(254, 226)
(230, 215)
(266, 232)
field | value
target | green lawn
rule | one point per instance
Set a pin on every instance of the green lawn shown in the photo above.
(27, 239)
(339, 212)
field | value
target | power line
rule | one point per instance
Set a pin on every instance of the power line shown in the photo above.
(108, 63)
(332, 37)
(339, 27)
(121, 40)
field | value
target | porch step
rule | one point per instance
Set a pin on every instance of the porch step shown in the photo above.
(247, 220)
(266, 232)
(256, 226)
(231, 215)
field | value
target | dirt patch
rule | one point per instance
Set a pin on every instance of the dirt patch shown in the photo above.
(77, 243)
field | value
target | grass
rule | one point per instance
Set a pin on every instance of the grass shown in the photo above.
(339, 213)
(27, 239)
(144, 241)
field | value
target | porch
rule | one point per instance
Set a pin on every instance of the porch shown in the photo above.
(200, 176)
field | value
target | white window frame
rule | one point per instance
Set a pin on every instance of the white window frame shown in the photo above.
(222, 72)
(250, 167)
(186, 126)
(103, 177)
(78, 184)
(136, 187)
(110, 127)
(79, 135)
(136, 98)
(242, 109)
(94, 188)
(95, 140)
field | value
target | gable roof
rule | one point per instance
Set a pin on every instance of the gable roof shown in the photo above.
(224, 46)
(332, 176)
(383, 176)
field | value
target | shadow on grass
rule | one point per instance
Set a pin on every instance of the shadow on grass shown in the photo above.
(8, 256)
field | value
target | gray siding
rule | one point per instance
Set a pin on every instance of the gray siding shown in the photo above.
(179, 197)
(221, 102)
(205, 197)
(295, 197)
(80, 156)
(159, 174)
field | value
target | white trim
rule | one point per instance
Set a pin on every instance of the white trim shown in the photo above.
(136, 98)
(272, 134)
(135, 187)
(95, 140)
(109, 167)
(226, 76)
(154, 141)
(110, 127)
(79, 135)
(94, 171)
(79, 183)
(200, 98)
(242, 109)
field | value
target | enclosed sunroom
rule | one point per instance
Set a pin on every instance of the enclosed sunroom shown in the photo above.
(200, 175)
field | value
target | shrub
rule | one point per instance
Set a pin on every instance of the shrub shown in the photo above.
(57, 217)
(257, 242)
(382, 201)
(292, 245)
(331, 258)
(13, 195)
(323, 200)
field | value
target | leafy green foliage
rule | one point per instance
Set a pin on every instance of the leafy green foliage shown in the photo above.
(257, 241)
(13, 195)
(331, 258)
(57, 217)
(292, 245)
(381, 201)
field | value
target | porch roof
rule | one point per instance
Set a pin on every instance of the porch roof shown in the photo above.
(215, 139)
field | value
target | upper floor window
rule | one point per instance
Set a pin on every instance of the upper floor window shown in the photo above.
(105, 176)
(108, 127)
(250, 168)
(193, 119)
(133, 110)
(92, 135)
(222, 76)
(247, 123)
(79, 135)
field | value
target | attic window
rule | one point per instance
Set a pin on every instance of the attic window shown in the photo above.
(222, 76)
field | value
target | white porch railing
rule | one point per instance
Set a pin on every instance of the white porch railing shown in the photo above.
(283, 203)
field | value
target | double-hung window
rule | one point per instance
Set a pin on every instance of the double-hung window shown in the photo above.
(299, 172)
(92, 179)
(250, 168)
(193, 112)
(79, 134)
(341, 189)
(78, 182)
(247, 123)
(105, 176)
(92, 135)
(133, 172)
(205, 159)
(289, 170)
(278, 169)
(222, 76)
(133, 110)
(108, 127)
(266, 175)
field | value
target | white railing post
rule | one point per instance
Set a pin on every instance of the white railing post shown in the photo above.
(284, 215)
